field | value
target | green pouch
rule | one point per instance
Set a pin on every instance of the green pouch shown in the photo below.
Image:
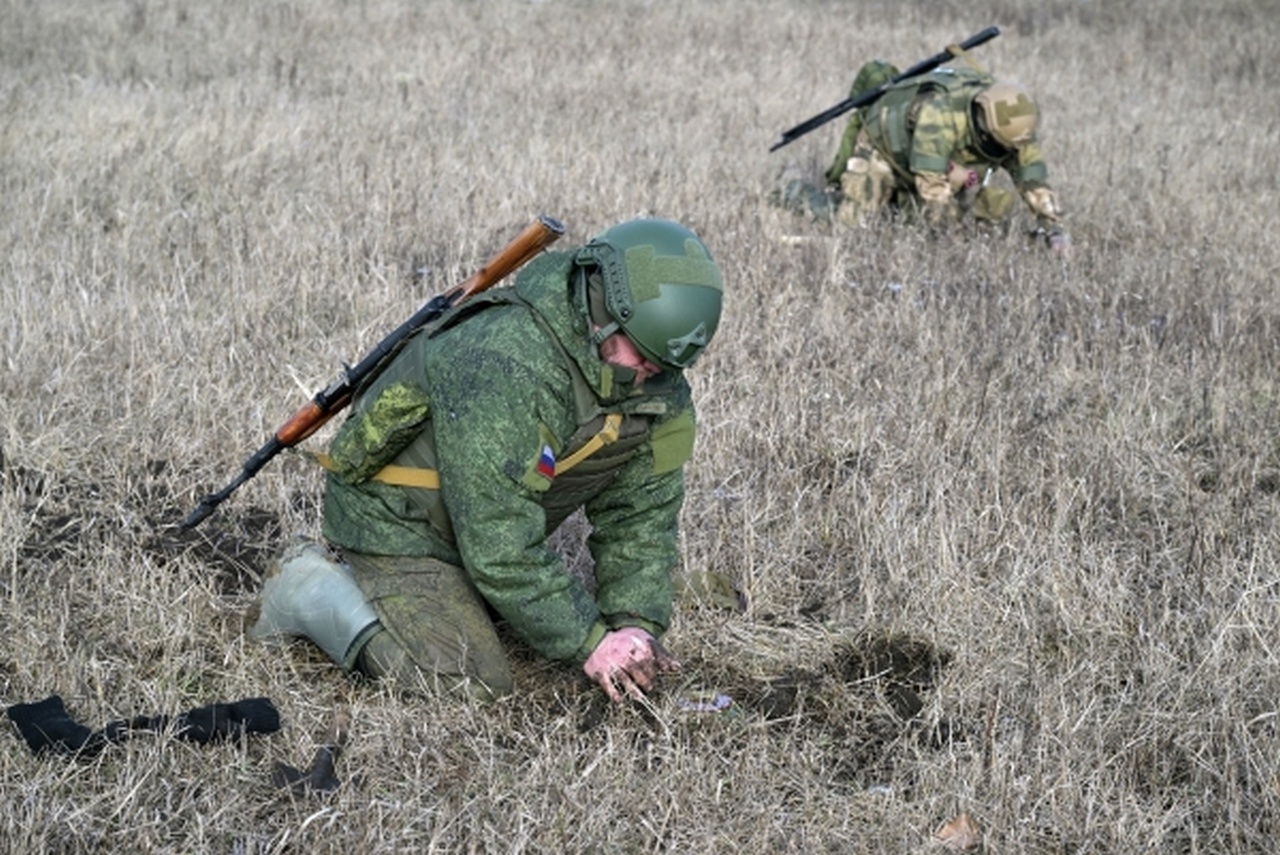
(993, 204)
(672, 443)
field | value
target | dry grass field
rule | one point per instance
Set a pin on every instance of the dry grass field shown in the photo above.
(1006, 525)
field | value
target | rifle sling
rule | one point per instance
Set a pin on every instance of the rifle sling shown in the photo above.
(429, 479)
(960, 53)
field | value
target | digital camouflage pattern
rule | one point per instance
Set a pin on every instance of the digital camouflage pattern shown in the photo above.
(918, 142)
(433, 622)
(492, 397)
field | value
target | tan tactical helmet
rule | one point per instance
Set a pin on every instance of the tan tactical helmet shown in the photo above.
(1008, 114)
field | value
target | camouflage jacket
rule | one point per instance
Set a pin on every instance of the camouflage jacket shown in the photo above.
(492, 398)
(924, 128)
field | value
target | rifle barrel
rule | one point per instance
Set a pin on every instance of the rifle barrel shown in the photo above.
(864, 98)
(331, 400)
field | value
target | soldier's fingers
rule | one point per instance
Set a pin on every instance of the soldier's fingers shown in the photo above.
(605, 681)
(630, 686)
(663, 658)
(643, 673)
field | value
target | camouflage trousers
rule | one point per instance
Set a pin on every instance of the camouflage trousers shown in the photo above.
(435, 624)
(870, 184)
(868, 187)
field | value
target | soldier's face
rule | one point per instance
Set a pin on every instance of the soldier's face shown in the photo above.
(618, 350)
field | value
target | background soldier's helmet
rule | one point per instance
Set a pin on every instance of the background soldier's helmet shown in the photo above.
(661, 288)
(1008, 114)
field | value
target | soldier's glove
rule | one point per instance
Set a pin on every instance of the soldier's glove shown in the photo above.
(203, 725)
(229, 721)
(46, 726)
(628, 660)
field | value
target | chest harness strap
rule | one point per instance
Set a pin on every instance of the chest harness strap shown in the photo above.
(429, 479)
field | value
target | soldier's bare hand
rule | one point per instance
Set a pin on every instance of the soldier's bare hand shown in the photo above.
(628, 661)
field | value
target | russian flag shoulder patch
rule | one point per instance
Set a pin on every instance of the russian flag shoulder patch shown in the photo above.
(547, 462)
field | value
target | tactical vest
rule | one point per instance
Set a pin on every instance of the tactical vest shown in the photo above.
(602, 444)
(891, 120)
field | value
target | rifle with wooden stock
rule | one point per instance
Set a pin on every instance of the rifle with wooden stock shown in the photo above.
(535, 237)
(864, 98)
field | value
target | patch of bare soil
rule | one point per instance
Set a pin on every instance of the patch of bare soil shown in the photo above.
(68, 515)
(864, 702)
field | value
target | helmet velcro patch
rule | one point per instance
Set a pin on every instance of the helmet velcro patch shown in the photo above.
(1007, 111)
(646, 271)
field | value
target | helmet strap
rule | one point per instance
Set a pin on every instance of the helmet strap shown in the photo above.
(960, 53)
(987, 144)
(602, 322)
(602, 333)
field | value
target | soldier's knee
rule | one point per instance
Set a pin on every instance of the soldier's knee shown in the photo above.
(481, 675)
(864, 188)
(491, 687)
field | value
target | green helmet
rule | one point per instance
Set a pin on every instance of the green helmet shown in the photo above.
(661, 289)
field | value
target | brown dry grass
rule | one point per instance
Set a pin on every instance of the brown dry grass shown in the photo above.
(1060, 480)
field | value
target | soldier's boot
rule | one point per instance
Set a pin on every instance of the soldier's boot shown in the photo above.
(308, 593)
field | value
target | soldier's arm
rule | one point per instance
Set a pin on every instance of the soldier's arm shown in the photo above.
(1031, 176)
(936, 138)
(493, 415)
(634, 532)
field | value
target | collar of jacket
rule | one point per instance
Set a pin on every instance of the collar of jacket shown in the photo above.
(547, 285)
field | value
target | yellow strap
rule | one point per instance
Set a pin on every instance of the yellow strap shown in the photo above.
(607, 434)
(399, 476)
(961, 53)
(429, 479)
